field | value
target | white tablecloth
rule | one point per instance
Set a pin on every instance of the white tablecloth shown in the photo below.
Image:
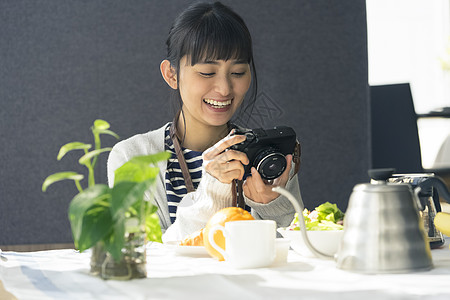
(63, 274)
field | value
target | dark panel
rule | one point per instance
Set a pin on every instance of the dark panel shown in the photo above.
(65, 63)
(395, 138)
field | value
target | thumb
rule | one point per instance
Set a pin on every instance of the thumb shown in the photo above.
(283, 179)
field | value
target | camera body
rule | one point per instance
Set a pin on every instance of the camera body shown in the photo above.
(266, 149)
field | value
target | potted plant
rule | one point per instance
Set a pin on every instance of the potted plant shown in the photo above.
(115, 222)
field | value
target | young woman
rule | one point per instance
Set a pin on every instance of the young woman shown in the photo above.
(210, 68)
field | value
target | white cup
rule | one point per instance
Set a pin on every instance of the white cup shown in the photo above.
(248, 244)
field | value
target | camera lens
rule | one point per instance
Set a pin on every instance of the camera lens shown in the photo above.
(272, 167)
(270, 163)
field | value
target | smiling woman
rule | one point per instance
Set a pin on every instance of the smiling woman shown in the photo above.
(210, 68)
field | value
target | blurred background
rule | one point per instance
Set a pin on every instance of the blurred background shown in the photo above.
(409, 42)
(64, 64)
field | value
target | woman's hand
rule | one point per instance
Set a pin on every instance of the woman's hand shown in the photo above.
(223, 163)
(259, 190)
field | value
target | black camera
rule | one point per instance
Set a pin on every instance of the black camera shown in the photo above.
(267, 149)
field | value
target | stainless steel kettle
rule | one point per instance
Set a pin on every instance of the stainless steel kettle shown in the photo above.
(383, 230)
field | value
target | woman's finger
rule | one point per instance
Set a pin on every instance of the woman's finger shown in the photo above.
(236, 167)
(283, 179)
(227, 176)
(231, 175)
(222, 145)
(257, 181)
(247, 190)
(231, 155)
(224, 170)
(256, 190)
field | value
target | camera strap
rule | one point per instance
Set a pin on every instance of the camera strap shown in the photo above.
(238, 193)
(296, 158)
(179, 153)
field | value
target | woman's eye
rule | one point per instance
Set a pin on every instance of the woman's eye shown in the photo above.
(207, 74)
(238, 74)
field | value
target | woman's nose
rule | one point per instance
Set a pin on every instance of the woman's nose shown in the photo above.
(223, 85)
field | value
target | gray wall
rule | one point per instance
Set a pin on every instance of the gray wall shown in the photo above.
(64, 64)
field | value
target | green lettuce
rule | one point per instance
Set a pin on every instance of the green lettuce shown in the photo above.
(326, 216)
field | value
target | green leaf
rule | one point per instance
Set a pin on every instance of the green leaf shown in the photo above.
(134, 173)
(101, 124)
(101, 127)
(312, 225)
(95, 227)
(124, 195)
(85, 159)
(151, 208)
(329, 225)
(153, 227)
(108, 132)
(324, 217)
(150, 159)
(72, 146)
(138, 168)
(60, 176)
(116, 241)
(89, 199)
(330, 212)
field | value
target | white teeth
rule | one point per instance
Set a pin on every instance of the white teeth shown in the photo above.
(217, 103)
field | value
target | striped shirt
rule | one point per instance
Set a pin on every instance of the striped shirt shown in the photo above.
(175, 185)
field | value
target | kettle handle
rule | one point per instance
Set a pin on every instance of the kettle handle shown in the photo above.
(299, 206)
(436, 182)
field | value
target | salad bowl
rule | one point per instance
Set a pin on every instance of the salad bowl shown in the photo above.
(328, 215)
(326, 241)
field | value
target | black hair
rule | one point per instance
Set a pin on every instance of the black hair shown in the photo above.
(211, 31)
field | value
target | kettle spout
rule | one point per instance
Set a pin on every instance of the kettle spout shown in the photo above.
(299, 206)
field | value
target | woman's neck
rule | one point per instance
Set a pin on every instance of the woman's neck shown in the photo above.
(199, 137)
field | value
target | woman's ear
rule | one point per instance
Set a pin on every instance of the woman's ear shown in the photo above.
(169, 74)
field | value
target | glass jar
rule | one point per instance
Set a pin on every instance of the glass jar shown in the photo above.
(131, 265)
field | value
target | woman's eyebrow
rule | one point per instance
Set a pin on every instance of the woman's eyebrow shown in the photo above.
(215, 62)
(209, 62)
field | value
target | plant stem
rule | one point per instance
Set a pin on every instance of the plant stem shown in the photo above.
(91, 179)
(77, 183)
(97, 145)
(90, 167)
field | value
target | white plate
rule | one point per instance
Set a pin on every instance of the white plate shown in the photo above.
(188, 250)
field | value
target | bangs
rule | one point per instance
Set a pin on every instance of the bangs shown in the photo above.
(217, 39)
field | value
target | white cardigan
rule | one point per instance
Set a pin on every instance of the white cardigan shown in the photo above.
(196, 207)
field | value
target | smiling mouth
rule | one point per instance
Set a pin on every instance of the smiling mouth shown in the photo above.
(218, 104)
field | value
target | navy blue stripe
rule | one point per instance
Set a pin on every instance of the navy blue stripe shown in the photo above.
(172, 209)
(192, 154)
